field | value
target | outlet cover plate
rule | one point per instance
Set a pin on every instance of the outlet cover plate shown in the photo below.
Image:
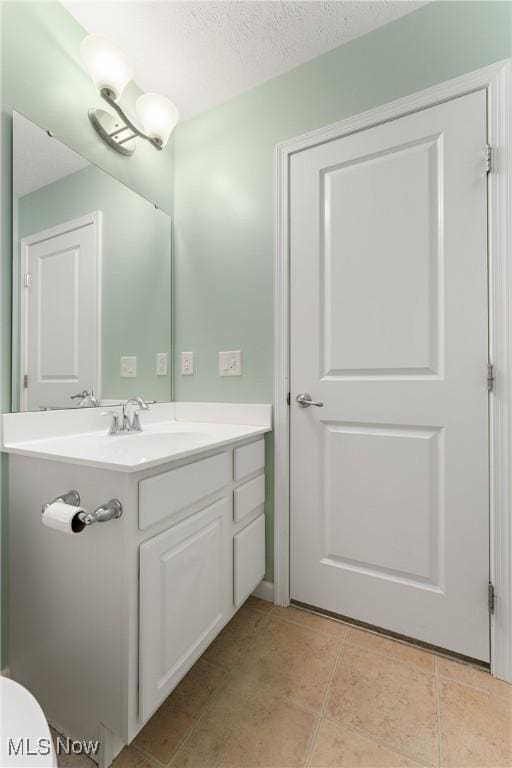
(230, 363)
(187, 363)
(128, 367)
(161, 364)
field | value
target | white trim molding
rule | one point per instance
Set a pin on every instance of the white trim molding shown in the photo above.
(496, 79)
(265, 591)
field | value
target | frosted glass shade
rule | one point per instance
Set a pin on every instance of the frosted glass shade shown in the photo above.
(158, 115)
(106, 64)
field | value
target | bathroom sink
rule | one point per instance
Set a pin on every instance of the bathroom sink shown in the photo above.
(136, 448)
(159, 442)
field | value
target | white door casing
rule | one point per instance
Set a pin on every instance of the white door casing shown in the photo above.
(60, 313)
(389, 327)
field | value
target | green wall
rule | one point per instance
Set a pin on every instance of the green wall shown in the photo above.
(42, 77)
(136, 272)
(224, 180)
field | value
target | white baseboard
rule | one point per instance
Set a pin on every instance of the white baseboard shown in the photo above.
(265, 591)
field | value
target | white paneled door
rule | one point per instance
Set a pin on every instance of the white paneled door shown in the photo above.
(389, 330)
(60, 315)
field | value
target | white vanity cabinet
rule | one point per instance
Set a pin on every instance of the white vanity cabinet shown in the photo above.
(122, 610)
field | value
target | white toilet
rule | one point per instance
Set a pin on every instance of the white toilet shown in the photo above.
(24, 732)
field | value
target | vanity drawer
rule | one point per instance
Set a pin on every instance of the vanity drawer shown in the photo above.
(248, 459)
(168, 494)
(248, 496)
(248, 559)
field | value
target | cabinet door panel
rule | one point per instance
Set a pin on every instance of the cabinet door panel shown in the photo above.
(248, 497)
(169, 493)
(185, 599)
(248, 459)
(249, 559)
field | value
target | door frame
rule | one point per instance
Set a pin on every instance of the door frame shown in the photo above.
(496, 79)
(95, 219)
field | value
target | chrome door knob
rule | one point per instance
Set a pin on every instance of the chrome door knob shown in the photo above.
(304, 400)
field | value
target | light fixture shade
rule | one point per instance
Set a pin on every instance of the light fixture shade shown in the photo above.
(158, 116)
(106, 64)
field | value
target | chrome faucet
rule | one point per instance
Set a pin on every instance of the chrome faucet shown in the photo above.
(131, 421)
(128, 420)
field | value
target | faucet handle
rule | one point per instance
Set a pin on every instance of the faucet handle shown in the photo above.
(114, 424)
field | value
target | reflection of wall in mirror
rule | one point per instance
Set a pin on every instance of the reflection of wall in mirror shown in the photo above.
(136, 272)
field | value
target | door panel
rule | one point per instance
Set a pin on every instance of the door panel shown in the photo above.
(393, 300)
(60, 355)
(403, 496)
(389, 324)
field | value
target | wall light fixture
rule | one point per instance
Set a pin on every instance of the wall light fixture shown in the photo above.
(111, 72)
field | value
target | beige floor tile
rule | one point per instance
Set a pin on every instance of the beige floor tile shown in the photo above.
(293, 660)
(311, 620)
(257, 604)
(338, 747)
(132, 758)
(400, 651)
(163, 734)
(235, 638)
(479, 678)
(476, 728)
(248, 727)
(392, 701)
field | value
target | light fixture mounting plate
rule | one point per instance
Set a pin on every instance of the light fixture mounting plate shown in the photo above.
(112, 131)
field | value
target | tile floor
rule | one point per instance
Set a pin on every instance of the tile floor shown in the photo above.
(282, 687)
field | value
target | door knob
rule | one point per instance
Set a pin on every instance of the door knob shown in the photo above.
(305, 401)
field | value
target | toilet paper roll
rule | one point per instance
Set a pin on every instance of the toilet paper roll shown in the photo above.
(63, 517)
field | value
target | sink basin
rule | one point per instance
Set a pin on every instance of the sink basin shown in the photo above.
(136, 448)
(158, 443)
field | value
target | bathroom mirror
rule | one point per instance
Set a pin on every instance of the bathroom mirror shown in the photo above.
(91, 282)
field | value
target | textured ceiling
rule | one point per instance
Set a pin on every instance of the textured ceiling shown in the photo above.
(202, 53)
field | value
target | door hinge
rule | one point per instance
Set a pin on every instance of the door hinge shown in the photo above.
(25, 381)
(26, 280)
(491, 598)
(488, 158)
(491, 377)
(288, 399)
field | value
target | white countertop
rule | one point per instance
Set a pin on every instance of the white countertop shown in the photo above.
(170, 432)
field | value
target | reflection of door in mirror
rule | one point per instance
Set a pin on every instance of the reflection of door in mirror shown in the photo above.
(59, 314)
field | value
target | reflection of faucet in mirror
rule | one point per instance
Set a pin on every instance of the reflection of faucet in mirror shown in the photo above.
(87, 399)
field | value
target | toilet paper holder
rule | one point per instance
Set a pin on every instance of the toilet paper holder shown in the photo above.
(70, 497)
(112, 510)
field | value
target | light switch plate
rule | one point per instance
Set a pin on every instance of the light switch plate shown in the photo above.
(161, 363)
(230, 363)
(187, 363)
(128, 367)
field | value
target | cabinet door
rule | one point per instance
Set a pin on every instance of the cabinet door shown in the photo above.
(249, 559)
(185, 599)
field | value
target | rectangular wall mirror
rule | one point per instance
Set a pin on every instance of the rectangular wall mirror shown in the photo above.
(91, 282)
